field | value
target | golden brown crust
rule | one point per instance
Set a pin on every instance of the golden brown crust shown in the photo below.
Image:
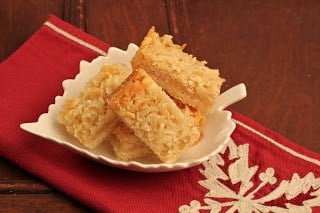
(87, 117)
(196, 117)
(153, 116)
(126, 145)
(180, 74)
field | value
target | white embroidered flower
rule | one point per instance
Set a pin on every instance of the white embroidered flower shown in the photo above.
(268, 176)
(193, 208)
(221, 197)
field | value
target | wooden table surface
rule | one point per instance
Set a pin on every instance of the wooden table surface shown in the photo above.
(272, 46)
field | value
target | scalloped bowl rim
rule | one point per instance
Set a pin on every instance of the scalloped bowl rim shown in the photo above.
(70, 90)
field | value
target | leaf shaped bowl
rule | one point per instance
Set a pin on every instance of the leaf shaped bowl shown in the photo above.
(218, 128)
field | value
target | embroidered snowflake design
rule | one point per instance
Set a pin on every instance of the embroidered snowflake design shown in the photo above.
(248, 197)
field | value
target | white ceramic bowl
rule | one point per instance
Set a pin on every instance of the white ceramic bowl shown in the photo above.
(217, 130)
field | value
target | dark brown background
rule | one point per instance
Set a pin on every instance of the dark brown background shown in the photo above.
(272, 46)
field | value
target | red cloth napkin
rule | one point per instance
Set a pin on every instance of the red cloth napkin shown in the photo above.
(258, 171)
